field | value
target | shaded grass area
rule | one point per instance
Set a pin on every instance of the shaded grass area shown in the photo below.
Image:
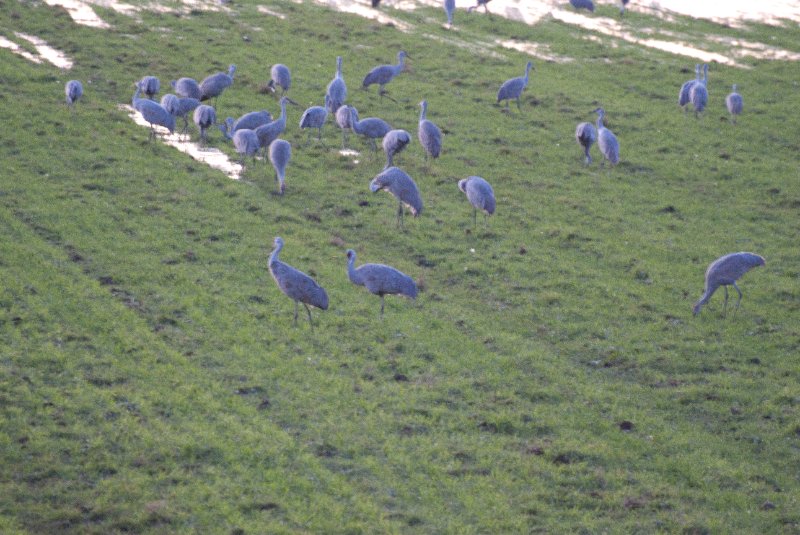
(551, 380)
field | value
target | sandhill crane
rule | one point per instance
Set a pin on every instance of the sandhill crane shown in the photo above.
(449, 9)
(212, 86)
(583, 4)
(250, 120)
(370, 127)
(479, 4)
(337, 89)
(205, 116)
(724, 271)
(295, 284)
(403, 187)
(513, 88)
(586, 135)
(245, 141)
(186, 88)
(606, 140)
(383, 74)
(150, 86)
(480, 194)
(698, 94)
(280, 152)
(683, 94)
(380, 279)
(73, 91)
(430, 137)
(153, 113)
(280, 77)
(343, 120)
(179, 107)
(267, 133)
(393, 143)
(314, 117)
(735, 103)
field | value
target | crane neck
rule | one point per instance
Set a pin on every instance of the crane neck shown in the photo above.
(339, 67)
(424, 111)
(273, 257)
(352, 272)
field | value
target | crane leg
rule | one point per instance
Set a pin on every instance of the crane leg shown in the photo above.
(400, 214)
(518, 106)
(474, 217)
(381, 306)
(311, 323)
(738, 300)
(295, 313)
(725, 303)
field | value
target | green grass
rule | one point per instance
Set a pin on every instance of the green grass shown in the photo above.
(151, 379)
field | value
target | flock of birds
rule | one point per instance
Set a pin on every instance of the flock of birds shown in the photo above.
(257, 131)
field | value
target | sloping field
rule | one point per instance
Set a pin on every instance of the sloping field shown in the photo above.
(549, 377)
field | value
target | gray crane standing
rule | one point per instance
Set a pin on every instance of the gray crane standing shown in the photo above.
(73, 90)
(383, 74)
(686, 88)
(606, 140)
(280, 152)
(295, 284)
(337, 89)
(513, 88)
(250, 121)
(698, 94)
(725, 271)
(343, 118)
(735, 103)
(430, 137)
(380, 279)
(245, 141)
(371, 128)
(267, 133)
(213, 85)
(586, 135)
(449, 9)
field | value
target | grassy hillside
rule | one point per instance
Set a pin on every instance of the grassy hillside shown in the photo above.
(550, 376)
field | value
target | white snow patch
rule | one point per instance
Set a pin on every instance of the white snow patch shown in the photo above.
(43, 50)
(537, 50)
(267, 11)
(365, 9)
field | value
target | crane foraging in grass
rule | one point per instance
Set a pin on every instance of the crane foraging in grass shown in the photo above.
(295, 284)
(180, 107)
(153, 113)
(205, 117)
(380, 279)
(394, 142)
(150, 86)
(245, 141)
(383, 74)
(586, 135)
(725, 271)
(186, 88)
(314, 117)
(430, 137)
(734, 103)
(73, 90)
(606, 140)
(513, 88)
(398, 183)
(280, 77)
(480, 195)
(280, 152)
